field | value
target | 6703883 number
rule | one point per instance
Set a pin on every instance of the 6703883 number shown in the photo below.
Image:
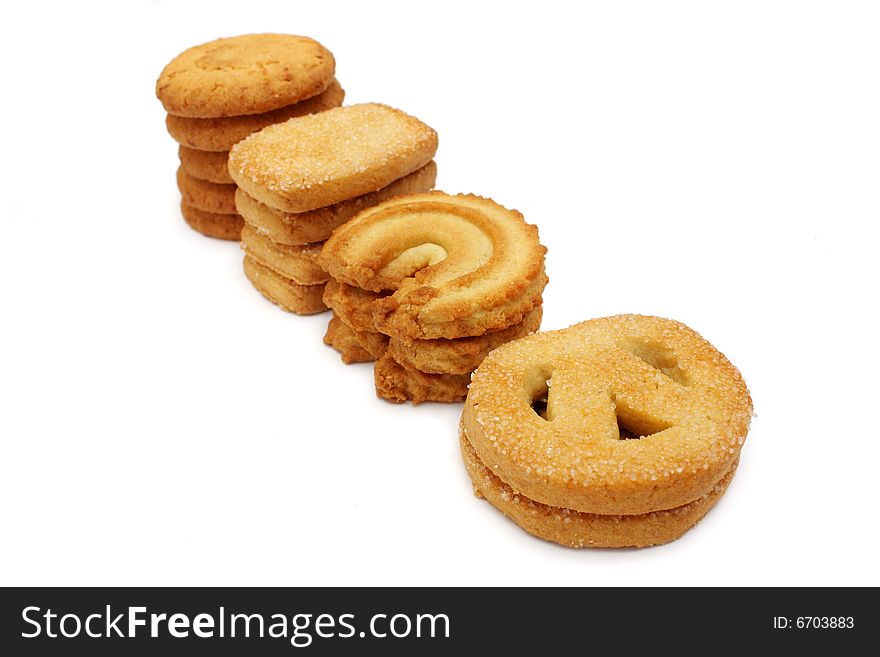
(814, 622)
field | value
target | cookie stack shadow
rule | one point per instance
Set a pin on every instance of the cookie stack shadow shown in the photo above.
(300, 180)
(218, 93)
(427, 286)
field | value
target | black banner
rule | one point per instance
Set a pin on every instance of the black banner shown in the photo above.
(119, 621)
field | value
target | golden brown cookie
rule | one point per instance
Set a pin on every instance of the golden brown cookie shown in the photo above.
(577, 529)
(398, 384)
(317, 160)
(355, 346)
(458, 265)
(222, 133)
(205, 165)
(204, 195)
(248, 74)
(351, 304)
(459, 355)
(298, 263)
(318, 225)
(289, 296)
(620, 415)
(221, 226)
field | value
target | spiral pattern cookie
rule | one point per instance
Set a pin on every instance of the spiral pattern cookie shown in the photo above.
(458, 265)
(447, 278)
(625, 415)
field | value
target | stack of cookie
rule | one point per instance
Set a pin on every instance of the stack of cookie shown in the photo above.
(218, 93)
(427, 285)
(617, 432)
(301, 179)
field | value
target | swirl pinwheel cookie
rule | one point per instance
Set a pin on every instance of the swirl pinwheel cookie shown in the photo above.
(629, 416)
(447, 278)
(458, 266)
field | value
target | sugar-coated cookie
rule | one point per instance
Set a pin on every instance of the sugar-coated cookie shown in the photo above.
(205, 165)
(398, 384)
(317, 225)
(298, 263)
(289, 296)
(248, 74)
(620, 415)
(222, 133)
(204, 195)
(579, 530)
(317, 160)
(221, 226)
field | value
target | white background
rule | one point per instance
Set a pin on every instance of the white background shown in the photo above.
(162, 423)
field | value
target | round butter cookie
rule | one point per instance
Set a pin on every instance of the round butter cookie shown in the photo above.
(580, 530)
(317, 225)
(396, 383)
(221, 226)
(222, 133)
(248, 74)
(458, 266)
(355, 346)
(621, 415)
(298, 263)
(289, 296)
(205, 165)
(204, 195)
(321, 159)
